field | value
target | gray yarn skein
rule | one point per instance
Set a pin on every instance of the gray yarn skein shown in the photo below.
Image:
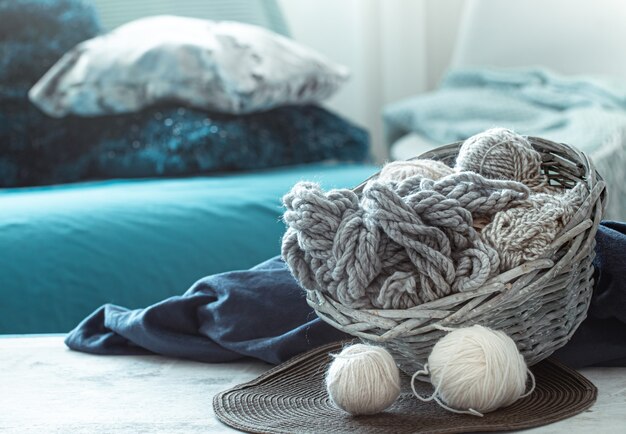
(401, 244)
(525, 232)
(500, 153)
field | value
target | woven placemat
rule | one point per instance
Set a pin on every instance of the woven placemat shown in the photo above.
(291, 398)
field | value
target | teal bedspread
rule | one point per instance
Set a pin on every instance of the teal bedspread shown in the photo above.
(587, 112)
(65, 250)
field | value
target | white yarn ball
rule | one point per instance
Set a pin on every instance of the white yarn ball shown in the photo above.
(363, 379)
(477, 368)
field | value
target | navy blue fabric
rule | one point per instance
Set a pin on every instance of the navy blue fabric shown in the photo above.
(601, 338)
(263, 313)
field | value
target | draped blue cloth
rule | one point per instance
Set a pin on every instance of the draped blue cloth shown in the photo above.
(601, 338)
(262, 313)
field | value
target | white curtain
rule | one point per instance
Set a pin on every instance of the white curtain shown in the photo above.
(395, 49)
(383, 44)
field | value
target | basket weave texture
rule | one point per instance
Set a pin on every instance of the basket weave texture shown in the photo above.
(539, 304)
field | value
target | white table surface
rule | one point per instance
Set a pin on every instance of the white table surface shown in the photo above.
(46, 388)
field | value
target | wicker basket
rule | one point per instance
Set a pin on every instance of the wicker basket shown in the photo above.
(539, 304)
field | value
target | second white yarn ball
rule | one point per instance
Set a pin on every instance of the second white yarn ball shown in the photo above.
(477, 368)
(363, 379)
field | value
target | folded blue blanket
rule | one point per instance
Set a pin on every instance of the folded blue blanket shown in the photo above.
(262, 313)
(586, 112)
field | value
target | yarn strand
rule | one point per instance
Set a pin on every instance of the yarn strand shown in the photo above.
(532, 388)
(399, 245)
(434, 397)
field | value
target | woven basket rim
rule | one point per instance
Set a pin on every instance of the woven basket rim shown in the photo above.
(582, 221)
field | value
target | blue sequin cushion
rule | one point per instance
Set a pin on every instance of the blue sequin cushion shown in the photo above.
(166, 142)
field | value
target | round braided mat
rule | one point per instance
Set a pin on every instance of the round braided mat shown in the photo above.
(291, 398)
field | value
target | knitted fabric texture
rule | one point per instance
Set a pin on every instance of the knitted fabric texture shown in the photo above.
(500, 153)
(525, 231)
(401, 244)
(400, 170)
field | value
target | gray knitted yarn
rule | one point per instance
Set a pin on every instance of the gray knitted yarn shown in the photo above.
(399, 245)
(500, 153)
(525, 231)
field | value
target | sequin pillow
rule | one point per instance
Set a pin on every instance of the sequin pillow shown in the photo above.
(171, 142)
(225, 67)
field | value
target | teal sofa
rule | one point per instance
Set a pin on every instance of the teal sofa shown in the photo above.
(65, 250)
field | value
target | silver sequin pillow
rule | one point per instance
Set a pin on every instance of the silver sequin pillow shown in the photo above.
(227, 67)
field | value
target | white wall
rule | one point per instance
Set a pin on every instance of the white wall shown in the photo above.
(339, 29)
(443, 18)
(394, 48)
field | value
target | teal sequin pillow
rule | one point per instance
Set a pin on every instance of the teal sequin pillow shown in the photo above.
(167, 142)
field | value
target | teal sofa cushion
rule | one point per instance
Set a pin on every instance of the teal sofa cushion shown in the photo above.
(65, 250)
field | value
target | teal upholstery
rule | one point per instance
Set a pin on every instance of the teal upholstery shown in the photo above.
(65, 250)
